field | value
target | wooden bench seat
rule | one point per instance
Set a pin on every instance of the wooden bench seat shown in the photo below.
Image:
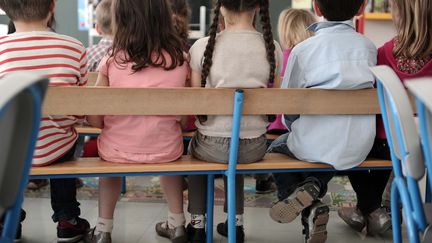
(95, 131)
(185, 163)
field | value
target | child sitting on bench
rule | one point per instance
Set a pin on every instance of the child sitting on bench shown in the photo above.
(337, 57)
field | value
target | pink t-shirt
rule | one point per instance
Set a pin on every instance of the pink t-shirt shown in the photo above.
(141, 139)
(386, 57)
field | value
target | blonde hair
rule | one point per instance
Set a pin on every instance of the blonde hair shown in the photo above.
(413, 20)
(292, 27)
(104, 16)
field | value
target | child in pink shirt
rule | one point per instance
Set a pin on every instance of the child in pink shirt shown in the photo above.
(146, 53)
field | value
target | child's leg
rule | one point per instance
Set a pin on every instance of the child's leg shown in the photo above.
(197, 200)
(239, 198)
(172, 187)
(109, 192)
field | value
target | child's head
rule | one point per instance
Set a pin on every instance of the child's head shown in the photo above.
(230, 9)
(413, 20)
(292, 27)
(144, 32)
(339, 10)
(28, 10)
(181, 12)
(103, 18)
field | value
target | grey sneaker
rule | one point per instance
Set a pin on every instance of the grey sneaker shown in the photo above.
(177, 235)
(285, 211)
(102, 237)
(315, 223)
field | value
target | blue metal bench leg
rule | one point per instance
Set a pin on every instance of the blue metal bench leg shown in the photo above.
(123, 188)
(210, 206)
(232, 164)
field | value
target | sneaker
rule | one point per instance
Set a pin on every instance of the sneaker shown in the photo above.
(18, 234)
(285, 211)
(102, 237)
(67, 232)
(222, 229)
(315, 223)
(353, 217)
(378, 222)
(195, 235)
(177, 235)
(265, 186)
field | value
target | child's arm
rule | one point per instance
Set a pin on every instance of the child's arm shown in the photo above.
(292, 79)
(97, 121)
(195, 79)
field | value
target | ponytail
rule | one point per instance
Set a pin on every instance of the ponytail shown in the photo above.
(268, 38)
(208, 54)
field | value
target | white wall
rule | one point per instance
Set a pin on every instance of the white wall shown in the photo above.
(379, 31)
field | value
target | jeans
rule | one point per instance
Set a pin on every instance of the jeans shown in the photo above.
(369, 185)
(288, 182)
(63, 194)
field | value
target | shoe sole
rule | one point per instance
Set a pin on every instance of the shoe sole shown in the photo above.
(181, 239)
(265, 192)
(287, 210)
(70, 240)
(357, 226)
(386, 227)
(318, 233)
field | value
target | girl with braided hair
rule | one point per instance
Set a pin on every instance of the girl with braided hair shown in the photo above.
(237, 57)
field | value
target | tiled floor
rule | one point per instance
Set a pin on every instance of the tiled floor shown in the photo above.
(135, 222)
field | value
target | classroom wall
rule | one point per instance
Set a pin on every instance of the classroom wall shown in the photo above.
(67, 16)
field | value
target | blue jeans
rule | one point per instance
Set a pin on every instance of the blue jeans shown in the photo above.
(288, 182)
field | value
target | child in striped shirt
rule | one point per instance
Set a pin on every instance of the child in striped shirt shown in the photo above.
(36, 49)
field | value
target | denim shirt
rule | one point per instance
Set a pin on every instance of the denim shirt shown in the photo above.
(337, 57)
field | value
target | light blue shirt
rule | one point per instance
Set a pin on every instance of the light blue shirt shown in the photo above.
(337, 57)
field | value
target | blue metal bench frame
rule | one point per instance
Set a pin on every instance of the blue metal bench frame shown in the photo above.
(230, 173)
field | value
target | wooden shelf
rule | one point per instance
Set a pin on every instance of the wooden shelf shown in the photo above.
(378, 16)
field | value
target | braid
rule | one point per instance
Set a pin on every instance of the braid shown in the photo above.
(208, 54)
(268, 38)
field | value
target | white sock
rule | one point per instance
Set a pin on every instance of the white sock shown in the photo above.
(104, 225)
(198, 221)
(239, 219)
(175, 220)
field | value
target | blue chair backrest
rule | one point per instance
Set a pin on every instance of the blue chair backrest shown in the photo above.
(422, 89)
(21, 98)
(402, 136)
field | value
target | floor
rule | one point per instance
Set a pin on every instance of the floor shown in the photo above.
(134, 222)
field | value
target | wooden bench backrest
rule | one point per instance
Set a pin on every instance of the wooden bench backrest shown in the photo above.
(197, 101)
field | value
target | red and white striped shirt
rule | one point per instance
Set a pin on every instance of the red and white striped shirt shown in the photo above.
(61, 58)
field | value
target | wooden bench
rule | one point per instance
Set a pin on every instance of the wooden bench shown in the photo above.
(196, 101)
(127, 101)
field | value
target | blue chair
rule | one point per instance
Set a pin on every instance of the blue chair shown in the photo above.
(21, 99)
(422, 90)
(406, 154)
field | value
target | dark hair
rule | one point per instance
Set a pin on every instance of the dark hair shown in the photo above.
(26, 10)
(240, 6)
(181, 14)
(339, 10)
(144, 31)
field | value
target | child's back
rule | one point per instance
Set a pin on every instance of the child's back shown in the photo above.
(335, 58)
(61, 58)
(239, 61)
(141, 138)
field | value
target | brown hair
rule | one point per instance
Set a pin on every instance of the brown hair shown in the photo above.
(292, 27)
(26, 10)
(240, 6)
(144, 31)
(181, 13)
(103, 16)
(413, 20)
